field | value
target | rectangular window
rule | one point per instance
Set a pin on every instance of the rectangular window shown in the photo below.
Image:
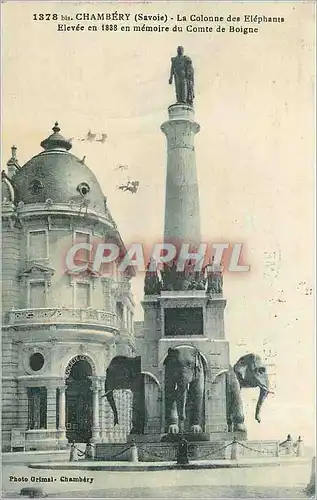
(120, 314)
(37, 407)
(82, 295)
(38, 245)
(37, 294)
(107, 294)
(82, 255)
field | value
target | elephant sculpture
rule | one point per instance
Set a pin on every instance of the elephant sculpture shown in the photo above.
(184, 389)
(125, 373)
(249, 371)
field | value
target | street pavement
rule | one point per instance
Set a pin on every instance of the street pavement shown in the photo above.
(284, 481)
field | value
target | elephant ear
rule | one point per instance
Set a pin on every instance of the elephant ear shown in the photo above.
(240, 368)
(253, 361)
(171, 350)
(250, 360)
(259, 365)
(170, 354)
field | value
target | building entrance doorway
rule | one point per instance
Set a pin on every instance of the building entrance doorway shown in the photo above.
(79, 402)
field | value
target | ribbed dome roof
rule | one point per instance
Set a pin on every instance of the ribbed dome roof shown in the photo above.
(58, 175)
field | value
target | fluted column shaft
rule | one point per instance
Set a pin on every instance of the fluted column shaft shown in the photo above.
(95, 410)
(62, 408)
(182, 218)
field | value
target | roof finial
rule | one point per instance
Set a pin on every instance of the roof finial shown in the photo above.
(13, 152)
(56, 128)
(56, 140)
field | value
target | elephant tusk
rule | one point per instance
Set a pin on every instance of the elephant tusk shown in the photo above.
(266, 390)
(269, 392)
(218, 374)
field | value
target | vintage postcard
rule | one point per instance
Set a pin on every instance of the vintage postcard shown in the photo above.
(158, 251)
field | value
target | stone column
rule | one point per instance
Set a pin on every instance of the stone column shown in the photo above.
(62, 412)
(95, 411)
(182, 222)
(51, 407)
(23, 407)
(101, 422)
(103, 406)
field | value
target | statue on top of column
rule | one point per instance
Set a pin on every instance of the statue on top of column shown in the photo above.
(183, 73)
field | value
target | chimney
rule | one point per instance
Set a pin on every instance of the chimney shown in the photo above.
(13, 164)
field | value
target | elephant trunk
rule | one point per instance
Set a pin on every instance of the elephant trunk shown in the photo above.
(262, 396)
(111, 401)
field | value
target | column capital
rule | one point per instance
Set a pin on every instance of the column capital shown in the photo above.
(95, 383)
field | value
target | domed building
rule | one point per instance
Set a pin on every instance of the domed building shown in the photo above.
(61, 328)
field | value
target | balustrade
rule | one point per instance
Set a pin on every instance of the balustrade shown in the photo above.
(61, 315)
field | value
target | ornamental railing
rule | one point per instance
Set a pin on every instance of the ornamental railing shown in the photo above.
(233, 451)
(52, 315)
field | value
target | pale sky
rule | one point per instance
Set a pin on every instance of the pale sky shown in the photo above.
(254, 153)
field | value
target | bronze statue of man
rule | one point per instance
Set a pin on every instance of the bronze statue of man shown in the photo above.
(183, 73)
(190, 81)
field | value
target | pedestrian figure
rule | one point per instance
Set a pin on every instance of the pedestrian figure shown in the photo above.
(89, 451)
(73, 456)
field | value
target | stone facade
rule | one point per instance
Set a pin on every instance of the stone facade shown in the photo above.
(60, 329)
(153, 344)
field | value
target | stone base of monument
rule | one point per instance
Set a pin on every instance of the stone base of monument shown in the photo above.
(163, 447)
(157, 451)
(190, 437)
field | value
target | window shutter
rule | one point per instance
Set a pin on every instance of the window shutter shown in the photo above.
(82, 295)
(37, 294)
(37, 245)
